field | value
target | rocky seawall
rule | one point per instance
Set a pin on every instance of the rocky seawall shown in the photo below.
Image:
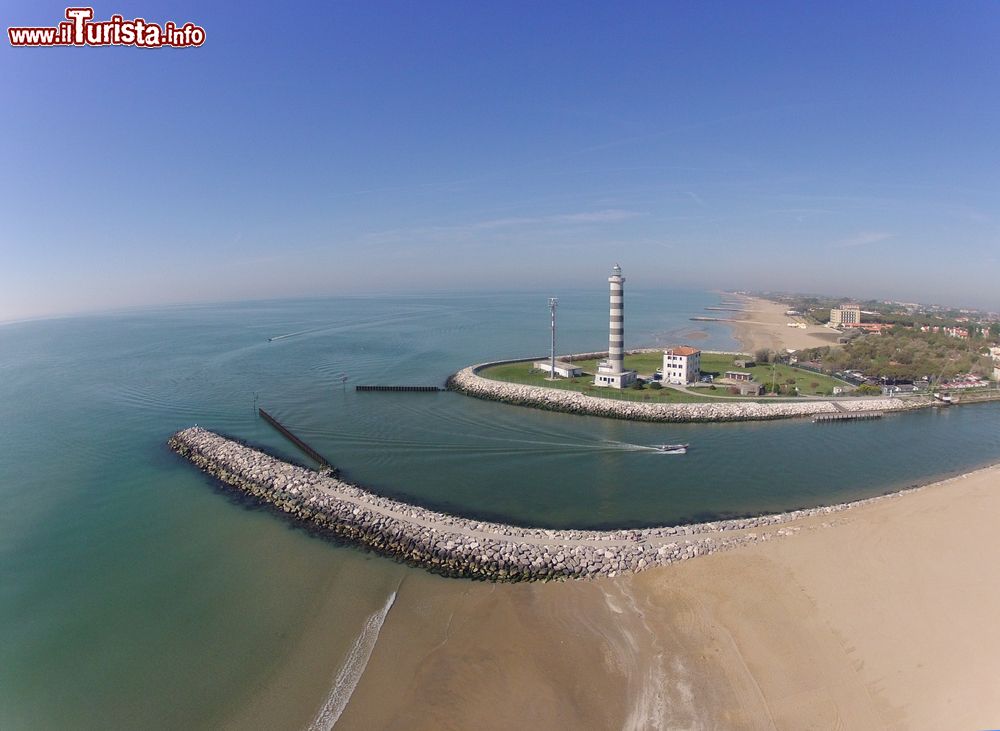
(469, 382)
(462, 547)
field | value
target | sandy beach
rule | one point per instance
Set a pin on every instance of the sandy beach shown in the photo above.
(765, 325)
(881, 617)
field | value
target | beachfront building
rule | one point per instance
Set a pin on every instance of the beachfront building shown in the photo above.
(681, 365)
(845, 316)
(563, 369)
(611, 371)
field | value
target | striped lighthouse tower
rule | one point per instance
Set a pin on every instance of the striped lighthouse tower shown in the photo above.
(611, 371)
(616, 328)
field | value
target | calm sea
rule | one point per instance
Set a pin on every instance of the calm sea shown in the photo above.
(135, 594)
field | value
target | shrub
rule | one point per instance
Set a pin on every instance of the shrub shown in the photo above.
(656, 385)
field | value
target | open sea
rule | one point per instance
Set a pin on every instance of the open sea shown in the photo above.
(134, 593)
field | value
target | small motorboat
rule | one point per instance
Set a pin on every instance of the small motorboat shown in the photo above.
(673, 448)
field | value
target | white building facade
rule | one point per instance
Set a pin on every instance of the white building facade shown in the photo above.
(682, 365)
(845, 316)
(563, 369)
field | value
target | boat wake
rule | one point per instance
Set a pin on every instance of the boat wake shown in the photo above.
(352, 670)
(628, 447)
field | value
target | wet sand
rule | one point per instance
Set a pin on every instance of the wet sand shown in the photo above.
(879, 617)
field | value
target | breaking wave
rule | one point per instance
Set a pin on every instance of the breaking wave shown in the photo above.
(352, 670)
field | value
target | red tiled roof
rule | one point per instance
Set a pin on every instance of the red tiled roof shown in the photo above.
(683, 350)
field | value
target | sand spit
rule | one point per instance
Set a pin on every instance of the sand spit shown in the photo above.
(461, 547)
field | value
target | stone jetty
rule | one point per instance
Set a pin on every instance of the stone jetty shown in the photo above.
(469, 382)
(462, 547)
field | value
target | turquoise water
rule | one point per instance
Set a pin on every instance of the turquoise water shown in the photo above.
(135, 594)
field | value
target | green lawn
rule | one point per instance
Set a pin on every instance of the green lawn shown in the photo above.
(809, 383)
(524, 373)
(646, 363)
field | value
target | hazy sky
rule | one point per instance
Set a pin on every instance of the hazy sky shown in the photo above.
(847, 148)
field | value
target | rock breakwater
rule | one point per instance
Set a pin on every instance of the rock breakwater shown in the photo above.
(456, 546)
(469, 382)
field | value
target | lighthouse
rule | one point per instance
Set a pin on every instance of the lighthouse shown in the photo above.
(611, 372)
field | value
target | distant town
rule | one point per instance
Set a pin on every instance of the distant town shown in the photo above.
(898, 347)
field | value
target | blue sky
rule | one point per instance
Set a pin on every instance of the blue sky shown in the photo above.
(847, 148)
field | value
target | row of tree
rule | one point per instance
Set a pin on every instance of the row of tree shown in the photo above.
(905, 355)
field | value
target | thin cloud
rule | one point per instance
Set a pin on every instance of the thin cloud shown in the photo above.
(607, 215)
(864, 238)
(696, 198)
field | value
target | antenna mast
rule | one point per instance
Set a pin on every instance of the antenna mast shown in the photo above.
(552, 356)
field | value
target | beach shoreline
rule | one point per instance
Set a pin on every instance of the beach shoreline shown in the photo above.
(460, 547)
(764, 326)
(870, 618)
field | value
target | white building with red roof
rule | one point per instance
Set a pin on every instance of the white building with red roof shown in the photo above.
(681, 365)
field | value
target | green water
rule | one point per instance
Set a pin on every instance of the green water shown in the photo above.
(135, 594)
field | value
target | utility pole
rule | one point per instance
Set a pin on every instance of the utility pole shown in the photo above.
(552, 356)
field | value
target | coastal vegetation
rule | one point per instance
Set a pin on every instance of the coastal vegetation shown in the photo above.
(906, 355)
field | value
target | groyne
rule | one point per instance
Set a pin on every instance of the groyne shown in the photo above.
(414, 389)
(463, 547)
(469, 382)
(287, 434)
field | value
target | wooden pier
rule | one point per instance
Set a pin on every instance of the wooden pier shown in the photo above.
(422, 389)
(285, 432)
(847, 416)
